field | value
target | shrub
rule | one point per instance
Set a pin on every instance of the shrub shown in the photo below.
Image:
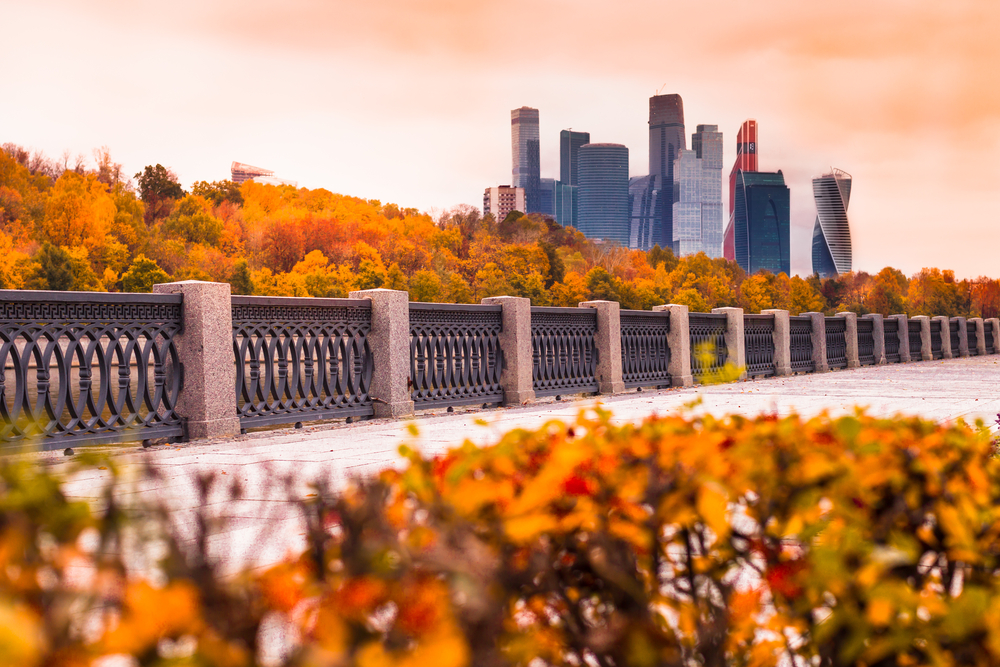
(680, 541)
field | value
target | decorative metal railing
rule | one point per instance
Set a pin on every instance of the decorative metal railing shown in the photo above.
(88, 368)
(758, 338)
(564, 353)
(801, 352)
(709, 353)
(836, 342)
(301, 359)
(915, 340)
(972, 338)
(989, 335)
(890, 334)
(955, 331)
(937, 352)
(645, 353)
(866, 342)
(455, 356)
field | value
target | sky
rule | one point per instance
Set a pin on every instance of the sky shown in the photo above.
(408, 101)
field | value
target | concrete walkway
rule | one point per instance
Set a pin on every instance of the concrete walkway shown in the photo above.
(939, 390)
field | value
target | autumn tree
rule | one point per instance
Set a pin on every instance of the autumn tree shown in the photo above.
(142, 275)
(158, 188)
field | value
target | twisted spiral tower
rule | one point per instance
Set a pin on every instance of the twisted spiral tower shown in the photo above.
(831, 248)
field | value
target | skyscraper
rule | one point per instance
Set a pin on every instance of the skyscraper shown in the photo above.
(569, 149)
(666, 140)
(746, 160)
(643, 197)
(831, 247)
(761, 222)
(703, 234)
(547, 196)
(566, 204)
(687, 203)
(603, 194)
(525, 154)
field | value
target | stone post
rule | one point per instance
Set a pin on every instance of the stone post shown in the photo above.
(904, 338)
(963, 340)
(925, 337)
(820, 364)
(609, 346)
(735, 342)
(515, 342)
(782, 341)
(996, 333)
(878, 336)
(679, 342)
(389, 340)
(207, 400)
(977, 323)
(945, 336)
(851, 336)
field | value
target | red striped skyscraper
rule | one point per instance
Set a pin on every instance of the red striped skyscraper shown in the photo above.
(746, 160)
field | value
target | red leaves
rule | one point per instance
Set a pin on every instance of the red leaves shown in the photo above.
(575, 485)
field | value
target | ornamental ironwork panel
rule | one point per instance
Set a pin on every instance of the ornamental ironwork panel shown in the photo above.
(301, 359)
(954, 333)
(758, 338)
(836, 342)
(800, 334)
(890, 334)
(915, 339)
(88, 368)
(988, 333)
(972, 338)
(937, 352)
(866, 342)
(709, 352)
(645, 353)
(455, 356)
(564, 352)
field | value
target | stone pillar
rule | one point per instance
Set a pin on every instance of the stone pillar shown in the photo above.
(996, 333)
(925, 337)
(207, 400)
(679, 342)
(945, 336)
(782, 341)
(852, 338)
(963, 341)
(735, 342)
(904, 338)
(818, 320)
(878, 335)
(389, 340)
(609, 346)
(977, 323)
(515, 342)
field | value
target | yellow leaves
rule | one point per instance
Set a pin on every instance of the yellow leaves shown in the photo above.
(880, 612)
(283, 586)
(712, 504)
(152, 614)
(525, 528)
(21, 639)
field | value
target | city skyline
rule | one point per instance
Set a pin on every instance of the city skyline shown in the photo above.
(911, 95)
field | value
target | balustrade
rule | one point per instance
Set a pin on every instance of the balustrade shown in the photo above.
(709, 353)
(645, 353)
(890, 332)
(758, 336)
(866, 342)
(836, 342)
(937, 351)
(564, 353)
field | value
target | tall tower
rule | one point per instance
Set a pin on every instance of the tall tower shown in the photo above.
(666, 141)
(603, 210)
(525, 154)
(569, 149)
(831, 247)
(707, 145)
(761, 222)
(746, 160)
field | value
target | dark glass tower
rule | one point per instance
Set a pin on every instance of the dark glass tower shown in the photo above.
(603, 194)
(569, 149)
(761, 222)
(666, 140)
(643, 196)
(525, 155)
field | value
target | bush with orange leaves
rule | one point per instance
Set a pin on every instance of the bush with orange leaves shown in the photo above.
(680, 541)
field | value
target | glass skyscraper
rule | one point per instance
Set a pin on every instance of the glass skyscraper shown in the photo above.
(644, 197)
(761, 222)
(566, 204)
(525, 155)
(547, 196)
(569, 151)
(603, 192)
(666, 141)
(831, 247)
(697, 207)
(746, 160)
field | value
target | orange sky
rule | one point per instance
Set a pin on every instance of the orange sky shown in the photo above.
(409, 100)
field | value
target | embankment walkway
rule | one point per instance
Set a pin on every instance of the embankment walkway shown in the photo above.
(967, 388)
